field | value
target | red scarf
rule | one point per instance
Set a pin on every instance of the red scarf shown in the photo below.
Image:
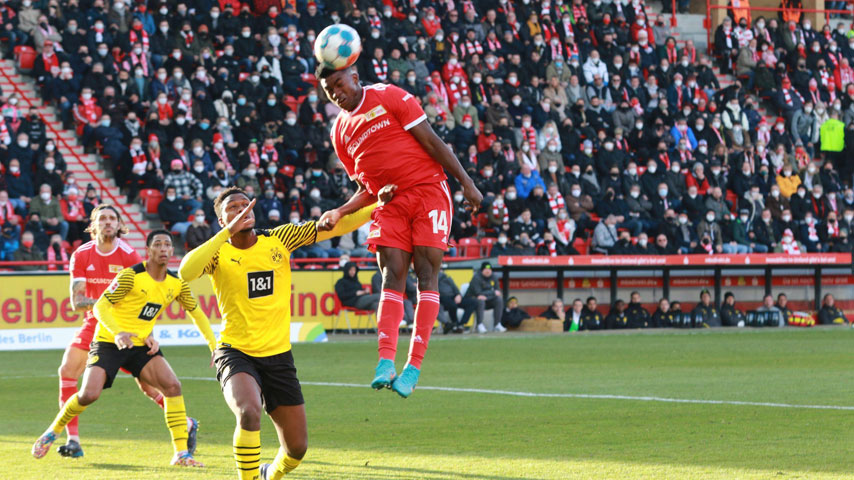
(375, 22)
(501, 213)
(6, 211)
(139, 60)
(186, 106)
(164, 110)
(672, 56)
(223, 156)
(557, 50)
(139, 36)
(254, 158)
(140, 161)
(270, 154)
(469, 48)
(154, 155)
(556, 203)
(188, 38)
(380, 69)
(791, 248)
(530, 135)
(51, 254)
(493, 45)
(50, 61)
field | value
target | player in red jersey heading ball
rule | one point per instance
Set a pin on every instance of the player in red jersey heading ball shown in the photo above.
(383, 138)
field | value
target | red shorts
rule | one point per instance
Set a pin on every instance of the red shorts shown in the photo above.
(86, 332)
(418, 216)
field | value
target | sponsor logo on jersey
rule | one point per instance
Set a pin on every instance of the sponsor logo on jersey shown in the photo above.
(375, 112)
(113, 286)
(149, 311)
(351, 149)
(374, 233)
(116, 268)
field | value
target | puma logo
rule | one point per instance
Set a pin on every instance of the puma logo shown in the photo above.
(237, 260)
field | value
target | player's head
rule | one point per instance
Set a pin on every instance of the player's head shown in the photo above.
(229, 203)
(341, 86)
(105, 223)
(159, 246)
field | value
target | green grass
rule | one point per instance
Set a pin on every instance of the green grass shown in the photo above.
(356, 433)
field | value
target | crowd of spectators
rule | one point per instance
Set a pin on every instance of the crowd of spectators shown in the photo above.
(582, 122)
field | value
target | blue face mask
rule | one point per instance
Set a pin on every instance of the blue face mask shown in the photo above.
(204, 125)
(241, 101)
(312, 98)
(316, 173)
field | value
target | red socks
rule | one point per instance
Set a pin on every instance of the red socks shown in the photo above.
(67, 389)
(159, 400)
(425, 317)
(389, 315)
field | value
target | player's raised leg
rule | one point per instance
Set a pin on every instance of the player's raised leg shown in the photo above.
(93, 385)
(427, 262)
(73, 365)
(291, 428)
(243, 396)
(394, 265)
(159, 375)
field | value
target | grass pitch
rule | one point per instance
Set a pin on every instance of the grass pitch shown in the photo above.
(357, 433)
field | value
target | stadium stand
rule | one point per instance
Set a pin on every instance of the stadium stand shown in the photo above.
(584, 114)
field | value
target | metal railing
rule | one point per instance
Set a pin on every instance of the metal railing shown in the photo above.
(105, 191)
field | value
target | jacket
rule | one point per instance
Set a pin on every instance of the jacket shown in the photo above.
(347, 286)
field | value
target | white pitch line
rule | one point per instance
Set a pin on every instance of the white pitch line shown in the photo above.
(511, 393)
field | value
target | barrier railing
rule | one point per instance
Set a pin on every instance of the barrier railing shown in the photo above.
(707, 22)
(614, 265)
(105, 191)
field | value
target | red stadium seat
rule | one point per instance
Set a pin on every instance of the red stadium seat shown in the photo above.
(309, 78)
(25, 57)
(469, 247)
(486, 244)
(150, 199)
(289, 170)
(581, 245)
(733, 199)
(346, 311)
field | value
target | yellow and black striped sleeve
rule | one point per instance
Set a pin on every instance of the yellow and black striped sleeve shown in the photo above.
(295, 236)
(186, 298)
(121, 286)
(211, 266)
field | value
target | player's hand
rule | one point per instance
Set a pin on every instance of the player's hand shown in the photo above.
(328, 220)
(242, 221)
(386, 193)
(152, 344)
(125, 340)
(473, 195)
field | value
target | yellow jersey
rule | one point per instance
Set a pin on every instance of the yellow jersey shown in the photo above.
(138, 301)
(253, 289)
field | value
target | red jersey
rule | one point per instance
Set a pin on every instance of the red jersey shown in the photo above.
(98, 269)
(375, 146)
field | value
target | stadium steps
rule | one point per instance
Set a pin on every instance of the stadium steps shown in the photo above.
(86, 167)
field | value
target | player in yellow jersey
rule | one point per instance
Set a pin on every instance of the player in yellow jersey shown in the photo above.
(126, 313)
(251, 275)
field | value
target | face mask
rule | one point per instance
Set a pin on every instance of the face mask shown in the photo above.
(525, 148)
(241, 101)
(467, 124)
(487, 173)
(849, 218)
(633, 171)
(45, 196)
(710, 218)
(178, 145)
(716, 171)
(291, 121)
(553, 148)
(576, 192)
(181, 120)
(587, 151)
(245, 34)
(199, 168)
(14, 169)
(251, 172)
(652, 169)
(23, 143)
(458, 198)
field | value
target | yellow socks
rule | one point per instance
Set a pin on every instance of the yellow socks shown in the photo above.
(247, 453)
(283, 464)
(71, 409)
(176, 421)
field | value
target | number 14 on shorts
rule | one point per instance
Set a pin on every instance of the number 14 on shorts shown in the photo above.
(440, 221)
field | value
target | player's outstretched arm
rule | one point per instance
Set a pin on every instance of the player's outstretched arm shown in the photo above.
(439, 151)
(359, 200)
(347, 223)
(194, 263)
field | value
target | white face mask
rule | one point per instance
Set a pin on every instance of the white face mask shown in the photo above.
(553, 168)
(45, 196)
(652, 169)
(23, 143)
(675, 169)
(510, 195)
(710, 218)
(576, 192)
(635, 194)
(458, 198)
(178, 145)
(199, 151)
(199, 168)
(291, 121)
(49, 167)
(633, 171)
(683, 220)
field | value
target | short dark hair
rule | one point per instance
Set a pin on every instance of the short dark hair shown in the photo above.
(220, 199)
(154, 233)
(324, 71)
(591, 298)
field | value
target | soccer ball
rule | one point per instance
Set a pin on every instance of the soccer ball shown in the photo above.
(337, 47)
